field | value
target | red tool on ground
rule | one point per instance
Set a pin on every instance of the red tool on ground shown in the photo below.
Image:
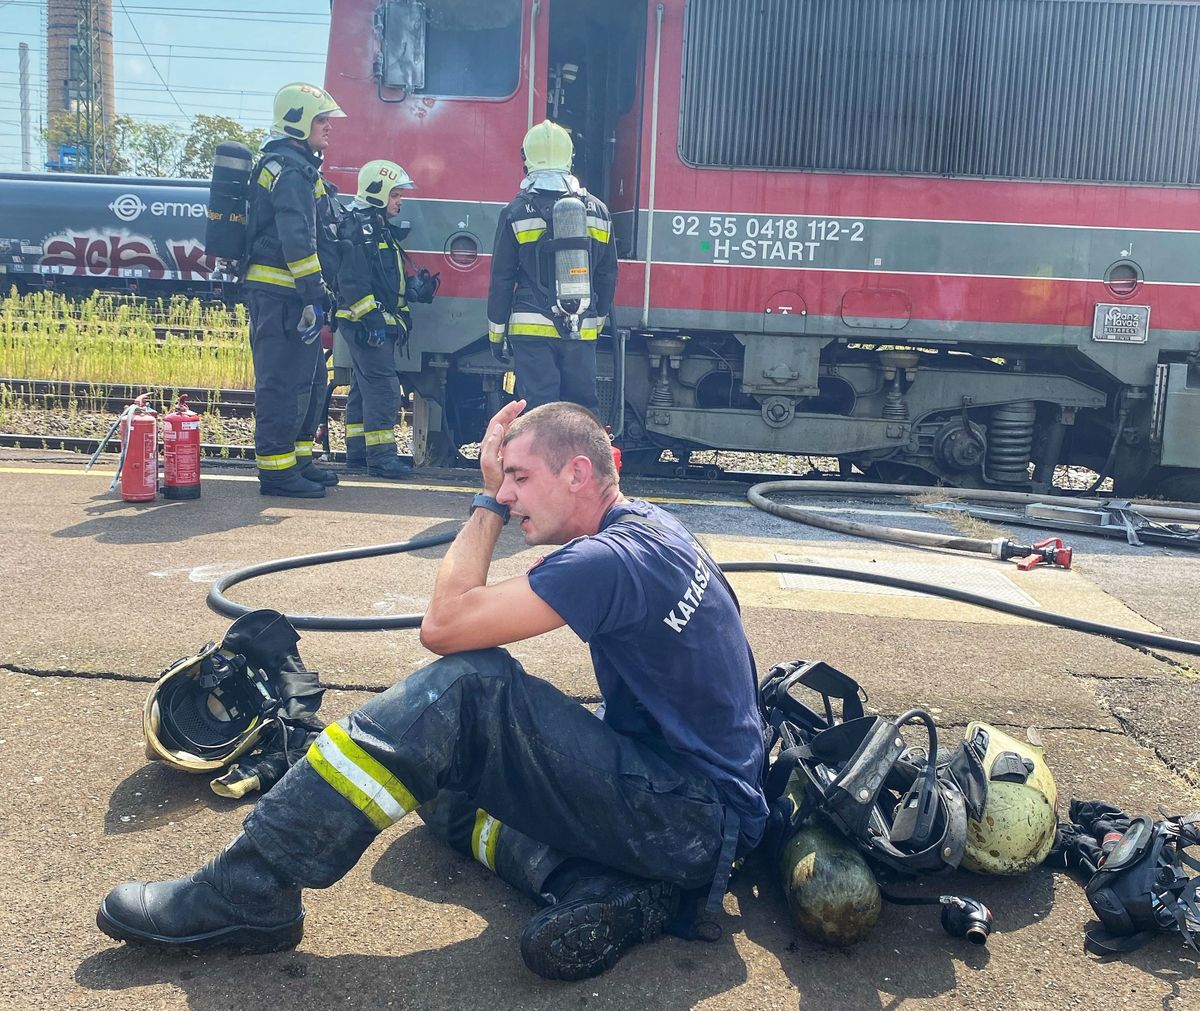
(138, 466)
(1051, 551)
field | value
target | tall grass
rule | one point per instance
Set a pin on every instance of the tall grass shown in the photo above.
(111, 339)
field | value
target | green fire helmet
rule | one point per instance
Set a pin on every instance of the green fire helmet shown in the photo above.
(376, 179)
(1020, 816)
(297, 105)
(547, 146)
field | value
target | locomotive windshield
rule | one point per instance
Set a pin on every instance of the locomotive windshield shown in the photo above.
(1079, 90)
(469, 48)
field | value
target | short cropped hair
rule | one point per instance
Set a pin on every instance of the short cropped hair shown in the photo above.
(562, 431)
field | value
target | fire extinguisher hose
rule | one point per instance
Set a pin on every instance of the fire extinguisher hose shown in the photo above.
(126, 416)
(350, 623)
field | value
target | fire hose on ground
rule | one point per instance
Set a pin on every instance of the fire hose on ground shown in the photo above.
(351, 623)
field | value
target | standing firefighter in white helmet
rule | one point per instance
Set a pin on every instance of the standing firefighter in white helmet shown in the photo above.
(291, 268)
(554, 274)
(374, 316)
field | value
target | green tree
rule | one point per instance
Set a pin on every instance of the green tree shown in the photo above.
(106, 155)
(153, 149)
(206, 133)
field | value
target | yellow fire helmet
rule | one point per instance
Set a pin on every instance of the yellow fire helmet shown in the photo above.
(206, 710)
(547, 146)
(297, 105)
(1020, 816)
(376, 179)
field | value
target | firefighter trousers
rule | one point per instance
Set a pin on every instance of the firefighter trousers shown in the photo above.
(555, 368)
(504, 766)
(287, 374)
(374, 399)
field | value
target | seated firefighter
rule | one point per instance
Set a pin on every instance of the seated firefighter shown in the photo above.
(620, 825)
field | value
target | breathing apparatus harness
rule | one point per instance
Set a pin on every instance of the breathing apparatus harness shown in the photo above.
(903, 809)
(1136, 872)
(563, 254)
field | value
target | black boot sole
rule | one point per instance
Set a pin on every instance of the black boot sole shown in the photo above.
(241, 938)
(267, 490)
(578, 940)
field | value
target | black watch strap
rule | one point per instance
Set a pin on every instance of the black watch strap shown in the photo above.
(485, 501)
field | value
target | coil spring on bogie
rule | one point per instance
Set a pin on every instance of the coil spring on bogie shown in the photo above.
(1010, 442)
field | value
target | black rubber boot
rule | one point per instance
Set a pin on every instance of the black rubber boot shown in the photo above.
(598, 915)
(288, 484)
(319, 475)
(356, 461)
(391, 468)
(236, 902)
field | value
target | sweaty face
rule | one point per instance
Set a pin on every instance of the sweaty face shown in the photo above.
(321, 132)
(540, 499)
(395, 199)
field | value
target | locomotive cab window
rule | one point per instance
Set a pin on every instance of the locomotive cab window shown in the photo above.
(1073, 90)
(451, 48)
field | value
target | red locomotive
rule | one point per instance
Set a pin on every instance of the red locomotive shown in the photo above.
(951, 239)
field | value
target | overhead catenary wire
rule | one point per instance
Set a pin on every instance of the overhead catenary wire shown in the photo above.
(153, 65)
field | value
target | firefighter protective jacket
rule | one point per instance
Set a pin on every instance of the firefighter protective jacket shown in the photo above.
(292, 223)
(516, 299)
(371, 278)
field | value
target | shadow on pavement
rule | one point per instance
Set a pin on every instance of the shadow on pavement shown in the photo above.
(155, 795)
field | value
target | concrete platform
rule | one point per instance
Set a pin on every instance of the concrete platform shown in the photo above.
(102, 594)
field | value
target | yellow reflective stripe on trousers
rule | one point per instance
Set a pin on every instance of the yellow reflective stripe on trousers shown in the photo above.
(304, 449)
(354, 431)
(282, 461)
(263, 274)
(484, 839)
(302, 268)
(380, 437)
(358, 777)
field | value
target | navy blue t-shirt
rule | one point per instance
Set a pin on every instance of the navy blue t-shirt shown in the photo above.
(667, 643)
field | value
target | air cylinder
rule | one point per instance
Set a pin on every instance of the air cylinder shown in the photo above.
(572, 272)
(228, 200)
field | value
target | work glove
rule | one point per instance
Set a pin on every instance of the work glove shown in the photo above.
(499, 352)
(375, 337)
(311, 321)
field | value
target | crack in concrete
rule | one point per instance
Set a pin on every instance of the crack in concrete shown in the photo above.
(82, 675)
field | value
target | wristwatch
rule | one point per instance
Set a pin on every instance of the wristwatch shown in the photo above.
(485, 501)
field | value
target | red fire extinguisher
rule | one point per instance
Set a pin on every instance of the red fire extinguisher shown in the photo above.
(181, 452)
(138, 466)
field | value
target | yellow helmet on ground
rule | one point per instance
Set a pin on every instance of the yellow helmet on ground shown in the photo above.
(297, 105)
(1020, 816)
(547, 146)
(376, 179)
(206, 710)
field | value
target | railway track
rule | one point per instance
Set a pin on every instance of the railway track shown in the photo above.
(108, 398)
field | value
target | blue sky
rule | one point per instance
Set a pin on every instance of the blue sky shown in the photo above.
(219, 56)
